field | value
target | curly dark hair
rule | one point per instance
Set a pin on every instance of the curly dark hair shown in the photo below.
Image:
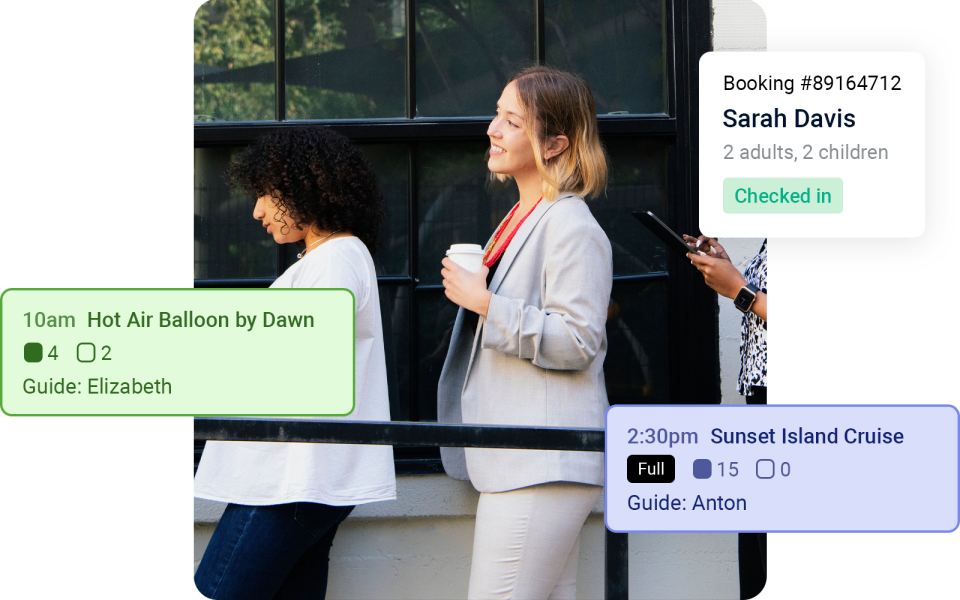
(316, 177)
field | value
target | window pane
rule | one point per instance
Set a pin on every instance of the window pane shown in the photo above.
(637, 181)
(466, 52)
(228, 242)
(289, 253)
(435, 322)
(345, 60)
(636, 365)
(618, 47)
(391, 163)
(456, 204)
(395, 318)
(233, 56)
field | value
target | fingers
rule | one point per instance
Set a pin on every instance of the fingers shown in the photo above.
(704, 264)
(450, 268)
(703, 242)
(692, 241)
(698, 264)
(700, 259)
(715, 249)
(451, 291)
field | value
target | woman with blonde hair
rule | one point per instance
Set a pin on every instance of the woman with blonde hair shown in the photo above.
(529, 341)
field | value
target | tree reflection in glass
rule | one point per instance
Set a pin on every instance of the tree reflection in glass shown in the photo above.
(618, 46)
(345, 60)
(466, 52)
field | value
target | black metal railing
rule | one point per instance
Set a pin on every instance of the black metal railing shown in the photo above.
(616, 578)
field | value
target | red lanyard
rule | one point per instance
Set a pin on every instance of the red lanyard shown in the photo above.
(490, 260)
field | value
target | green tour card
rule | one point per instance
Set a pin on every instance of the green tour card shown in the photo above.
(184, 352)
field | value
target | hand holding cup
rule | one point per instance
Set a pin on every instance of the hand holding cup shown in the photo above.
(465, 278)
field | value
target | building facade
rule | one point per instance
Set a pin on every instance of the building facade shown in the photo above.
(414, 84)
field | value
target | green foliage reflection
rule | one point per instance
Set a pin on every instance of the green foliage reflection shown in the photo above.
(343, 59)
(230, 36)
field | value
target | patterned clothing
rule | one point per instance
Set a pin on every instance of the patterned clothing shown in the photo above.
(753, 331)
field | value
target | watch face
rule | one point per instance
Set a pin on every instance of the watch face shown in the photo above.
(744, 300)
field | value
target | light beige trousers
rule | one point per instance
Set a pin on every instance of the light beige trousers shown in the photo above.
(527, 542)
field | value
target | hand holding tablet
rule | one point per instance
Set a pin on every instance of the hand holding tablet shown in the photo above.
(667, 235)
(716, 250)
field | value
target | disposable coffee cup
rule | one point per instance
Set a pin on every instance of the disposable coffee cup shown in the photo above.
(468, 256)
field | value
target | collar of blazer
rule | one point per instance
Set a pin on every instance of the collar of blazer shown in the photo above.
(517, 242)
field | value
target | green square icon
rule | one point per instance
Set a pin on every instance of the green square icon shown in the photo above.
(32, 352)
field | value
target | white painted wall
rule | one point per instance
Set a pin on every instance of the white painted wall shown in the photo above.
(419, 547)
(738, 25)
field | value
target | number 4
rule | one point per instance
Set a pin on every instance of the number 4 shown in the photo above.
(53, 353)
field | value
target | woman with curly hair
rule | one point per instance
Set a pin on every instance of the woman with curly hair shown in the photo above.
(286, 500)
(528, 344)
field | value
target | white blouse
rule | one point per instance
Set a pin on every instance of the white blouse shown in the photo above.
(264, 473)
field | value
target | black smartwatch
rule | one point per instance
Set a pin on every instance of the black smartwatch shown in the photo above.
(746, 297)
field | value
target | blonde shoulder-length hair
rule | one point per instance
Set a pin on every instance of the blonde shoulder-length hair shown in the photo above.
(554, 103)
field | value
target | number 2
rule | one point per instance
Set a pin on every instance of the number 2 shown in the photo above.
(729, 152)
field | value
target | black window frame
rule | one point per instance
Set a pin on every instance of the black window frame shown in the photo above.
(692, 323)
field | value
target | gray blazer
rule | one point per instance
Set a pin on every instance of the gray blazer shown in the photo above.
(537, 359)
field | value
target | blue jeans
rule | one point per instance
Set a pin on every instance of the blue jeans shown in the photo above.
(278, 552)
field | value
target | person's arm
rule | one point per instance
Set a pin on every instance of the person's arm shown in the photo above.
(466, 289)
(759, 307)
(566, 334)
(724, 278)
(707, 245)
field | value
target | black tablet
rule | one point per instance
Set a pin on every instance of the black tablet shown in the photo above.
(660, 229)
